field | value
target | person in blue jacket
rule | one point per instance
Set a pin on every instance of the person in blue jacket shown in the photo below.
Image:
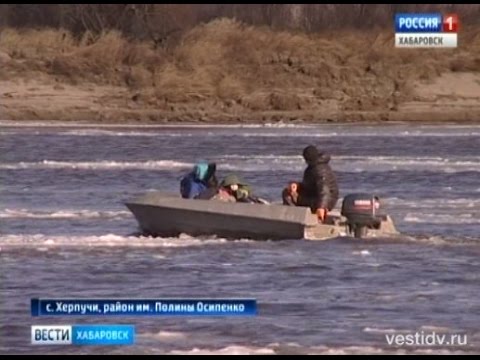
(201, 178)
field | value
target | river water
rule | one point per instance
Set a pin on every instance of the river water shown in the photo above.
(64, 232)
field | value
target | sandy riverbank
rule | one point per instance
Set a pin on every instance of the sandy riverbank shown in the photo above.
(225, 72)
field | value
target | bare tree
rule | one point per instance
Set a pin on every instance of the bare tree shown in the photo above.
(3, 15)
(162, 22)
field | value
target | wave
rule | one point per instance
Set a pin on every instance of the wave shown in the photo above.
(438, 329)
(360, 350)
(60, 124)
(350, 134)
(98, 132)
(229, 350)
(260, 130)
(373, 330)
(293, 348)
(442, 218)
(165, 336)
(42, 241)
(253, 163)
(98, 165)
(348, 163)
(439, 203)
(63, 214)
(309, 134)
(401, 160)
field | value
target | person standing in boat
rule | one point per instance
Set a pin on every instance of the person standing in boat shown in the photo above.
(201, 179)
(319, 189)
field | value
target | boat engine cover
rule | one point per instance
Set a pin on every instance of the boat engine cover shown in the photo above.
(361, 210)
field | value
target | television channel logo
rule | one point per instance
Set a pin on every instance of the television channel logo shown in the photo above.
(426, 30)
(83, 334)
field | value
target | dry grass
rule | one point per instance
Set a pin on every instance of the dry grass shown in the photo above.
(253, 67)
(112, 59)
(35, 44)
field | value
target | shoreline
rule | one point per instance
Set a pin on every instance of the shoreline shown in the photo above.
(176, 120)
(251, 125)
(453, 98)
(220, 124)
(263, 77)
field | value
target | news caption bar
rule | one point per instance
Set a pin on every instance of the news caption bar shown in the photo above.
(426, 30)
(144, 307)
(83, 335)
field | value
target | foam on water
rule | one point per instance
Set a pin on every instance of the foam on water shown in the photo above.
(166, 335)
(437, 203)
(98, 165)
(107, 240)
(292, 348)
(98, 132)
(323, 134)
(42, 241)
(269, 162)
(261, 130)
(359, 350)
(374, 330)
(442, 218)
(357, 163)
(310, 134)
(63, 214)
(362, 253)
(60, 124)
(229, 350)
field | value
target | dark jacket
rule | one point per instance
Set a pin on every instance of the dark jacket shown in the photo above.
(319, 189)
(190, 186)
(198, 181)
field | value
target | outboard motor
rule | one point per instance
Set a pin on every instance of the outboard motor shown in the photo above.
(361, 213)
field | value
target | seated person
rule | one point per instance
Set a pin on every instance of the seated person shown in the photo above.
(201, 178)
(290, 194)
(224, 195)
(235, 187)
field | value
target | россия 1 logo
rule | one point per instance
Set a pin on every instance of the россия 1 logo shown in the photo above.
(426, 30)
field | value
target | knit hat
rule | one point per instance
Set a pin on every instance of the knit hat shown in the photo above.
(311, 154)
